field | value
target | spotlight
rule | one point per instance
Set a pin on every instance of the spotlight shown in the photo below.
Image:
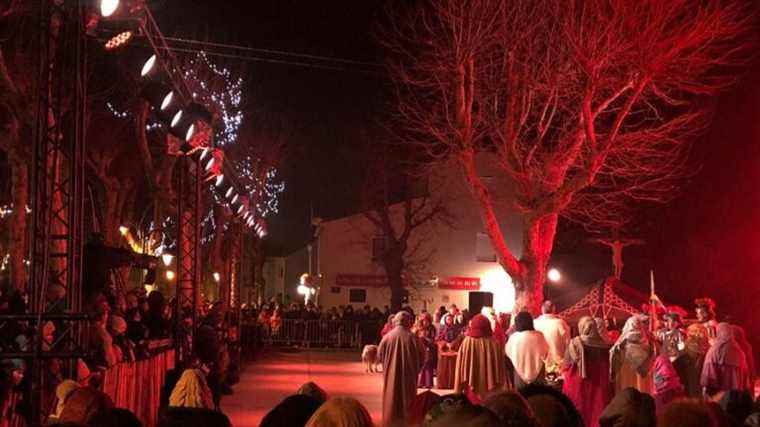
(108, 7)
(183, 122)
(219, 180)
(170, 275)
(167, 259)
(177, 117)
(167, 100)
(554, 275)
(149, 67)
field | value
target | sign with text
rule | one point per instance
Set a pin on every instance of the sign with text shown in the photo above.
(361, 280)
(460, 283)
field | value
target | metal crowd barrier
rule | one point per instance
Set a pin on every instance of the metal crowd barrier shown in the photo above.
(314, 333)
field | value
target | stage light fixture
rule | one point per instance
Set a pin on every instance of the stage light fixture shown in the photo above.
(183, 122)
(175, 120)
(119, 40)
(166, 102)
(149, 67)
(108, 7)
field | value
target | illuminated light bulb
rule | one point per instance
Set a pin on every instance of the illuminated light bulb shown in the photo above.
(123, 230)
(205, 152)
(240, 209)
(554, 275)
(148, 66)
(234, 199)
(167, 100)
(229, 192)
(209, 165)
(217, 277)
(190, 132)
(219, 180)
(170, 275)
(108, 7)
(167, 259)
(177, 117)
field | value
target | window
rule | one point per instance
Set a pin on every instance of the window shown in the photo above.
(483, 250)
(378, 248)
(357, 295)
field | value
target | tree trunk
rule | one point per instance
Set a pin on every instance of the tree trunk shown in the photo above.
(18, 224)
(394, 270)
(537, 248)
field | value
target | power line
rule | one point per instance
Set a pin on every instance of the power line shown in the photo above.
(275, 52)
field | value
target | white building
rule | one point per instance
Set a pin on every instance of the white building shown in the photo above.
(463, 259)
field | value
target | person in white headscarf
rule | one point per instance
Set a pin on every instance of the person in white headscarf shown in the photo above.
(401, 355)
(632, 356)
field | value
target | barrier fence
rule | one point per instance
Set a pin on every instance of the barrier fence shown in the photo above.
(132, 385)
(137, 385)
(314, 333)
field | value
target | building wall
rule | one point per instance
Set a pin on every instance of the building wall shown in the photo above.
(346, 248)
(274, 271)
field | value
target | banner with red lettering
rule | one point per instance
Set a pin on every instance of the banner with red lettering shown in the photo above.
(460, 283)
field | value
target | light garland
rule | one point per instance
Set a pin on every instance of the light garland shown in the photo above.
(115, 112)
(226, 102)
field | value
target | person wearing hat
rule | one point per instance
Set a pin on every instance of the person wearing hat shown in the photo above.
(705, 312)
(671, 337)
(401, 354)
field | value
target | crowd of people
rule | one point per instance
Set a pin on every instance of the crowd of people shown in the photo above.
(656, 360)
(123, 327)
(534, 405)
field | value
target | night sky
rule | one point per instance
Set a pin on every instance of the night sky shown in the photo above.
(703, 243)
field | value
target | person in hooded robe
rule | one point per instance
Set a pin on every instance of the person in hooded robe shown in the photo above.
(341, 412)
(629, 408)
(586, 372)
(689, 365)
(480, 363)
(632, 356)
(725, 366)
(191, 391)
(528, 351)
(401, 354)
(741, 337)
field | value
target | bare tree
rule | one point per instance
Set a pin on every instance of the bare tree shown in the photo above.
(587, 105)
(404, 213)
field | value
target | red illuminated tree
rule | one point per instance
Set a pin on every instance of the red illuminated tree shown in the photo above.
(587, 105)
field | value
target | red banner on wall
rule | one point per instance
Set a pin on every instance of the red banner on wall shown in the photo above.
(460, 283)
(361, 280)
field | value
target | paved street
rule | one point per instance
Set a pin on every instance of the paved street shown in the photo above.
(275, 376)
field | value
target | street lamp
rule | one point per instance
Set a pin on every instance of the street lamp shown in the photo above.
(554, 275)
